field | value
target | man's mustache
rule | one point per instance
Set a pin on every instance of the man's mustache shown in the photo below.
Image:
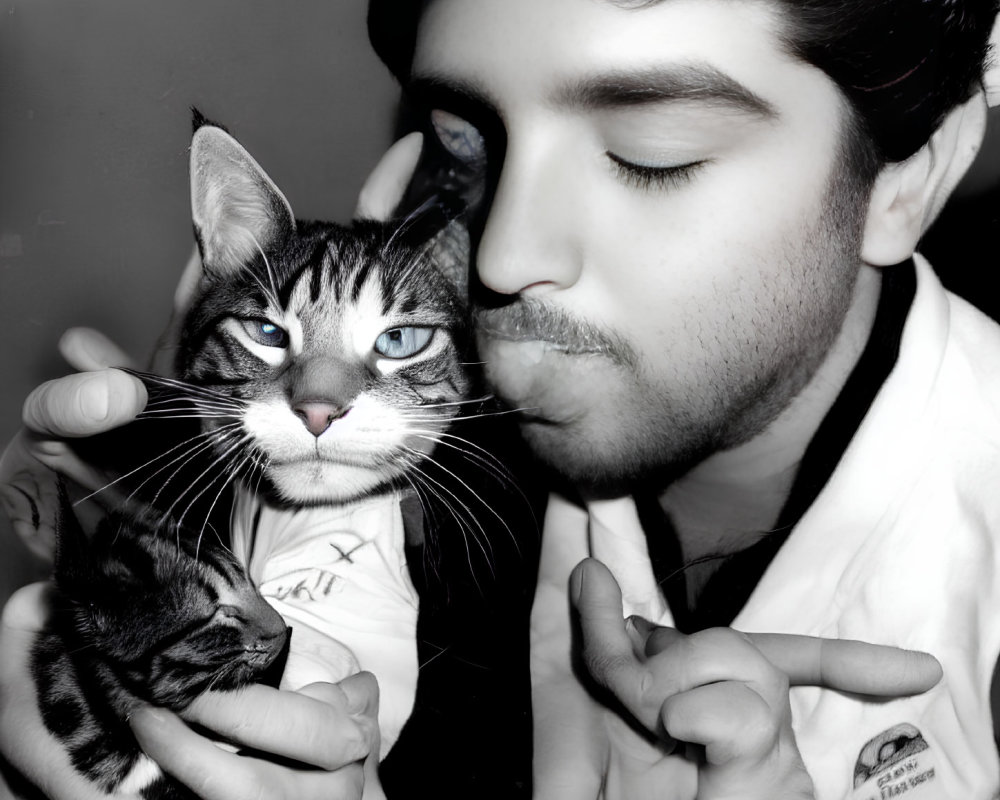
(531, 320)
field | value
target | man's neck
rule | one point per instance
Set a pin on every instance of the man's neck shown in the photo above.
(732, 498)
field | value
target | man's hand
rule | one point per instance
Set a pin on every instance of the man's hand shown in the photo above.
(321, 736)
(652, 713)
(727, 691)
(320, 742)
(95, 400)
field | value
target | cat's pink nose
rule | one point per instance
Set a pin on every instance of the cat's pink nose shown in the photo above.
(317, 417)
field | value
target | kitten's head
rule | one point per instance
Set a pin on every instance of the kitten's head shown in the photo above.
(168, 614)
(334, 354)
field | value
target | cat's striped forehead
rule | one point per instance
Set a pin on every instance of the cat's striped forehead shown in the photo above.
(350, 293)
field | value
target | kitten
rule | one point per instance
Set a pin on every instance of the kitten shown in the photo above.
(143, 614)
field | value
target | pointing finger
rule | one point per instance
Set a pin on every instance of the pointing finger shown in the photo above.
(842, 664)
(849, 666)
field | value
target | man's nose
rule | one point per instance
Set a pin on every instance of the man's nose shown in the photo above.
(530, 241)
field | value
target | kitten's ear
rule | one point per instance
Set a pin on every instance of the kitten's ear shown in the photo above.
(72, 569)
(237, 210)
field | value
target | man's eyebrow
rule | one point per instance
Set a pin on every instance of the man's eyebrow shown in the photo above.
(432, 89)
(695, 83)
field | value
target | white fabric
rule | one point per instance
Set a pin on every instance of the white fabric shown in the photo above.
(339, 578)
(900, 548)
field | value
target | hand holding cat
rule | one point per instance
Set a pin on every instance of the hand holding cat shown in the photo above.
(327, 731)
(24, 740)
(652, 692)
(95, 400)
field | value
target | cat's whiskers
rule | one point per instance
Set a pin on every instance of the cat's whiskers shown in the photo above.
(81, 649)
(173, 414)
(183, 387)
(181, 403)
(478, 415)
(418, 481)
(234, 472)
(219, 459)
(271, 296)
(197, 401)
(186, 443)
(403, 226)
(483, 540)
(441, 651)
(476, 495)
(209, 439)
(475, 455)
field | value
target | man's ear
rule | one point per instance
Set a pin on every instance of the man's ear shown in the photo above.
(908, 195)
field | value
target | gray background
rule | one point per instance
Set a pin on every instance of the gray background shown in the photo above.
(95, 124)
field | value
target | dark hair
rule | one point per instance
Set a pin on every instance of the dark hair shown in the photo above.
(902, 64)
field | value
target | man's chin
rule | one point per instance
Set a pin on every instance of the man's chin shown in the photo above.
(572, 462)
(600, 463)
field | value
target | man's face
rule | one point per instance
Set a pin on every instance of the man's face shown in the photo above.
(666, 220)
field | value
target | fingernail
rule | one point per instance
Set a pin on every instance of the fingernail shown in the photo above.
(85, 343)
(361, 691)
(146, 721)
(576, 582)
(148, 712)
(637, 629)
(93, 398)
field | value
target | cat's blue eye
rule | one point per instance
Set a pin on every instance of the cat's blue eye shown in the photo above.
(460, 138)
(403, 342)
(264, 332)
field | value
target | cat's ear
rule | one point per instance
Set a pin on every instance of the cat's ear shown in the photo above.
(237, 210)
(450, 252)
(439, 228)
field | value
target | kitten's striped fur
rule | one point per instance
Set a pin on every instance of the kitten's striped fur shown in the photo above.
(143, 614)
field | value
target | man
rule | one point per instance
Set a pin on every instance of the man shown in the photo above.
(696, 286)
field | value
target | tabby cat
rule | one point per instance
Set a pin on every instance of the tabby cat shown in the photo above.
(332, 356)
(144, 614)
(323, 363)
